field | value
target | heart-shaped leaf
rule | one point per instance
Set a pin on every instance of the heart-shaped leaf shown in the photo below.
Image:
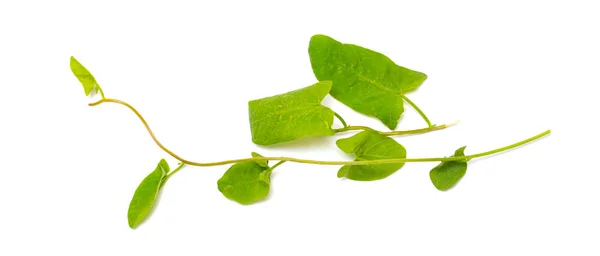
(291, 115)
(365, 80)
(246, 183)
(145, 195)
(447, 174)
(370, 145)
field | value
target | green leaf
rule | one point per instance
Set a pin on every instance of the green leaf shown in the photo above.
(84, 76)
(291, 115)
(246, 183)
(365, 80)
(263, 163)
(447, 174)
(145, 194)
(370, 145)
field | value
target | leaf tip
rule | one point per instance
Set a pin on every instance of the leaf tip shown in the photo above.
(391, 124)
(133, 219)
(164, 166)
(341, 144)
(460, 151)
(262, 163)
(84, 76)
(131, 224)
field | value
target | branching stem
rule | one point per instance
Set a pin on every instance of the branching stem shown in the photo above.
(277, 164)
(101, 92)
(181, 165)
(412, 104)
(406, 132)
(341, 119)
(306, 161)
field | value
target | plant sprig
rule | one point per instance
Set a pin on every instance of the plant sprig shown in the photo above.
(364, 80)
(319, 162)
(340, 130)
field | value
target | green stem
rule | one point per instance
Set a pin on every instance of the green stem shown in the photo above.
(382, 161)
(412, 104)
(341, 119)
(306, 161)
(277, 164)
(270, 170)
(511, 146)
(101, 92)
(181, 165)
(406, 132)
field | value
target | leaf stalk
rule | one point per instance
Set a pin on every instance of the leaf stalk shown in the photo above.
(319, 162)
(413, 105)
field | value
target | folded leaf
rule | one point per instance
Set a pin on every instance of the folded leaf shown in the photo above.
(263, 163)
(365, 80)
(145, 194)
(246, 183)
(447, 174)
(84, 76)
(291, 115)
(370, 145)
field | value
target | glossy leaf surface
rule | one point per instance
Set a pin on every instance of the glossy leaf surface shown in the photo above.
(291, 115)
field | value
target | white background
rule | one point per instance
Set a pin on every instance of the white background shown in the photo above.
(507, 70)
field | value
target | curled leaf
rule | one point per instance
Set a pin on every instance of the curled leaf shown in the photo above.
(84, 76)
(291, 115)
(145, 195)
(263, 163)
(246, 183)
(447, 174)
(365, 80)
(370, 145)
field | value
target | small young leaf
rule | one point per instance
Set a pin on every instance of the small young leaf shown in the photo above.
(447, 174)
(291, 115)
(365, 80)
(246, 183)
(84, 76)
(370, 145)
(263, 163)
(145, 194)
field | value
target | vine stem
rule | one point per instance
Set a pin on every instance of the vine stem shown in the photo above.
(181, 165)
(406, 132)
(101, 92)
(307, 161)
(341, 119)
(412, 104)
(277, 164)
